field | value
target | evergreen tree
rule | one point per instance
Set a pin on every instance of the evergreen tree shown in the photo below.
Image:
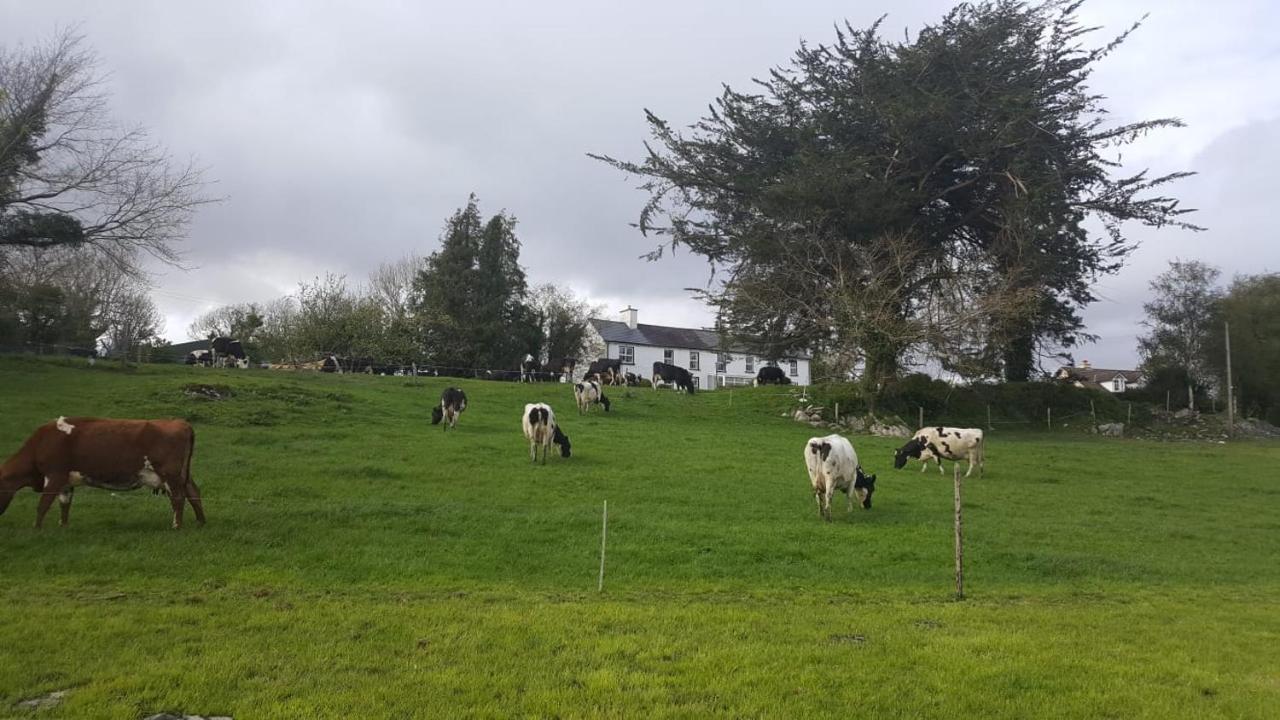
(875, 198)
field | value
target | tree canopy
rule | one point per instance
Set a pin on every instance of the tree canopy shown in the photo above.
(928, 195)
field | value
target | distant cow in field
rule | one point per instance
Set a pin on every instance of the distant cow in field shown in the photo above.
(566, 367)
(770, 375)
(331, 364)
(944, 443)
(528, 368)
(833, 465)
(542, 431)
(672, 375)
(228, 352)
(588, 393)
(452, 402)
(114, 455)
(199, 357)
(606, 371)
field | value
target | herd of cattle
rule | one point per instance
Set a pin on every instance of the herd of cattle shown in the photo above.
(123, 455)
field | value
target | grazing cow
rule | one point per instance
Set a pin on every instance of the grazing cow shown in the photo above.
(331, 364)
(114, 455)
(541, 429)
(567, 366)
(665, 373)
(770, 375)
(228, 352)
(588, 393)
(504, 375)
(529, 368)
(635, 380)
(452, 402)
(833, 465)
(944, 443)
(200, 357)
(607, 371)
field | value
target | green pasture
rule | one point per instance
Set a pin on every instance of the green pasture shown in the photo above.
(359, 562)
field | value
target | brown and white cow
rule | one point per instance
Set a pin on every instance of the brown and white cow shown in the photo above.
(104, 453)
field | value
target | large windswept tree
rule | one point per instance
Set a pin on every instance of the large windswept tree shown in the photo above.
(70, 176)
(877, 197)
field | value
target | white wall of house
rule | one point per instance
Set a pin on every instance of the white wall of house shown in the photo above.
(702, 364)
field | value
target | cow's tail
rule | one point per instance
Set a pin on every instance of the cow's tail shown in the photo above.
(186, 461)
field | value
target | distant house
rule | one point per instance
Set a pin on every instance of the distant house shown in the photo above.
(701, 352)
(1087, 376)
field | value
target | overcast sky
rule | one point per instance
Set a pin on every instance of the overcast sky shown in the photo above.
(344, 134)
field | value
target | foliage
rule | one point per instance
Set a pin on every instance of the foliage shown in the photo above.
(1020, 404)
(1180, 317)
(471, 297)
(875, 197)
(1252, 307)
(69, 297)
(240, 322)
(69, 176)
(566, 321)
(347, 540)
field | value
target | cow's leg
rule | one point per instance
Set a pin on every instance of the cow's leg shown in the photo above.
(193, 497)
(826, 502)
(6, 497)
(533, 451)
(54, 484)
(970, 470)
(817, 497)
(64, 505)
(178, 499)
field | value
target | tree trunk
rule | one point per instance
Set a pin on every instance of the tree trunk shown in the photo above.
(1019, 359)
(1191, 396)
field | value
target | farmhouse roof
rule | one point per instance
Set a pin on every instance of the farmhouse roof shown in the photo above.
(664, 336)
(1099, 375)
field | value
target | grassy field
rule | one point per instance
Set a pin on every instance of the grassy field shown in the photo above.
(359, 562)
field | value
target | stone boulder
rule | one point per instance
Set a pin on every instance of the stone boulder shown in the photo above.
(1111, 429)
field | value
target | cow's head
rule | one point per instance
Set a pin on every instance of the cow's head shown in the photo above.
(437, 414)
(821, 449)
(864, 485)
(605, 402)
(562, 440)
(911, 450)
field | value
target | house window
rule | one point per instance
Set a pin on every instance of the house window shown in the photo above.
(795, 368)
(1118, 384)
(695, 362)
(669, 357)
(722, 363)
(751, 364)
(697, 381)
(627, 354)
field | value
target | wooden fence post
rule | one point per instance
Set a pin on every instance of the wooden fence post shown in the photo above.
(959, 536)
(604, 531)
(1048, 417)
(921, 417)
(1129, 417)
(989, 417)
(1093, 413)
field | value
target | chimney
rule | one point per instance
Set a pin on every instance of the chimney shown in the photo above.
(630, 317)
(1084, 364)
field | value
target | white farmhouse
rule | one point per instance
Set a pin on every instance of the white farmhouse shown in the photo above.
(1087, 376)
(712, 364)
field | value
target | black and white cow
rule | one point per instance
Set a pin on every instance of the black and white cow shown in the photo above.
(833, 465)
(228, 352)
(606, 371)
(588, 393)
(944, 443)
(770, 375)
(199, 357)
(665, 373)
(452, 402)
(529, 368)
(331, 364)
(567, 366)
(542, 431)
